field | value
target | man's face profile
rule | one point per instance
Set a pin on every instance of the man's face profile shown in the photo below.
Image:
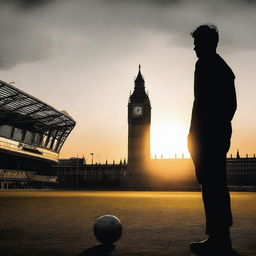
(200, 48)
(203, 48)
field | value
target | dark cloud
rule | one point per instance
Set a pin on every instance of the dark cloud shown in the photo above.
(150, 2)
(173, 2)
(26, 4)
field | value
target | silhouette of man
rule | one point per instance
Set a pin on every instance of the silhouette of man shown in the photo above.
(209, 138)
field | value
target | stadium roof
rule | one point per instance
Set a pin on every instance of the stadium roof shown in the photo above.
(23, 110)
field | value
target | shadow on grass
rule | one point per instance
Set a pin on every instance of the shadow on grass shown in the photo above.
(233, 253)
(99, 250)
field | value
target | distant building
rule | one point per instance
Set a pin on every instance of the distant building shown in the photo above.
(165, 174)
(241, 171)
(142, 172)
(75, 173)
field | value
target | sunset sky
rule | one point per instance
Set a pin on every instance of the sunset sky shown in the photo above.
(82, 57)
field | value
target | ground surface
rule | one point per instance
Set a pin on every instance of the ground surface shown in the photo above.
(154, 223)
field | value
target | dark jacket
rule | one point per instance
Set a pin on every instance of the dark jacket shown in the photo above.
(214, 105)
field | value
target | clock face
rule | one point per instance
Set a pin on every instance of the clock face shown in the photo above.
(137, 111)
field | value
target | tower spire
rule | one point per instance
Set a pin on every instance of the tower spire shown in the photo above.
(139, 79)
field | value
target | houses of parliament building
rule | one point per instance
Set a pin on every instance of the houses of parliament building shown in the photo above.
(141, 171)
(29, 153)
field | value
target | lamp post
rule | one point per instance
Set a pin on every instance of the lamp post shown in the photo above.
(92, 157)
(77, 170)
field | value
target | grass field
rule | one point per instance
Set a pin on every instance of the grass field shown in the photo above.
(154, 223)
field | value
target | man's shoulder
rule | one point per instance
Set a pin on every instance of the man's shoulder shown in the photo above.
(215, 64)
(223, 67)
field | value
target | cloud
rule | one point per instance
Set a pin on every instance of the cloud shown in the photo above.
(21, 38)
(36, 30)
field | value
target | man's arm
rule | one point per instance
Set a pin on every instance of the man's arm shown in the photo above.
(230, 103)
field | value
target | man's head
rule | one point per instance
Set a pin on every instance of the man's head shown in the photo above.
(206, 38)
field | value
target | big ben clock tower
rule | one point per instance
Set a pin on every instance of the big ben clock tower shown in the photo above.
(139, 117)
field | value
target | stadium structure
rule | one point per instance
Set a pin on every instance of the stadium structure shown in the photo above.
(32, 134)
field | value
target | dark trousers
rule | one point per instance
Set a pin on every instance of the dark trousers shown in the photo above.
(216, 198)
(210, 166)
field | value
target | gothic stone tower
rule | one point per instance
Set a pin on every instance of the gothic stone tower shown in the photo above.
(139, 117)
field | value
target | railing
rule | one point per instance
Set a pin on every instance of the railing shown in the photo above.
(18, 175)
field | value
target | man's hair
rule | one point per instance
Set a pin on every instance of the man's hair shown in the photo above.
(207, 33)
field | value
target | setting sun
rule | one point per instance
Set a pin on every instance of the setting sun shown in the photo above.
(168, 139)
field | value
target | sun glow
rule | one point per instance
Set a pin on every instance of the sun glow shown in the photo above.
(169, 141)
